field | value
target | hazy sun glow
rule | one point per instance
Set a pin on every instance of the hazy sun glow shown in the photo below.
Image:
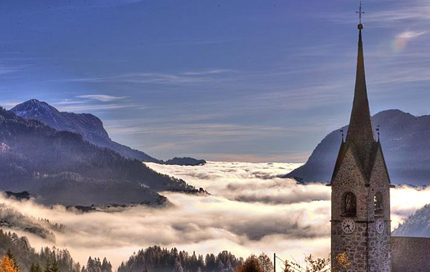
(401, 41)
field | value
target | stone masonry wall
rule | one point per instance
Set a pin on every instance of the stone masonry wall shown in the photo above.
(350, 179)
(379, 243)
(368, 251)
(410, 254)
(354, 244)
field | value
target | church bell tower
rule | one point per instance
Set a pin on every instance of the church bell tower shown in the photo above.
(360, 209)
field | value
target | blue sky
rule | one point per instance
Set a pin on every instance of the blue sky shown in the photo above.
(246, 80)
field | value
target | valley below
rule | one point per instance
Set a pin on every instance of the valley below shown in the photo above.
(250, 209)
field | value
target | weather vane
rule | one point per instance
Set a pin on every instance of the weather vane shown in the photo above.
(360, 12)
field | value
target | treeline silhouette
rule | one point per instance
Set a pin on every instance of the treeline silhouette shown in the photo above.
(26, 256)
(157, 259)
(95, 265)
(151, 259)
(18, 249)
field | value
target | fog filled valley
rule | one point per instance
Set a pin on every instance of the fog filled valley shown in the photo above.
(250, 209)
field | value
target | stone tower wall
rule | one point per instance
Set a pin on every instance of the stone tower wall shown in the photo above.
(354, 244)
(379, 243)
(349, 179)
(368, 250)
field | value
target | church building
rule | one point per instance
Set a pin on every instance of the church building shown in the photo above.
(360, 209)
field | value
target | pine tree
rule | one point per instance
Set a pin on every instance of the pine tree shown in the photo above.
(48, 265)
(54, 267)
(35, 268)
(12, 257)
(106, 266)
(178, 267)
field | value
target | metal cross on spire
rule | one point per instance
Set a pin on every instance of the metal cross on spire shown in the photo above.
(360, 12)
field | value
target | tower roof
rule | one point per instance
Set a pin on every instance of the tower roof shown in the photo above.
(360, 128)
(360, 138)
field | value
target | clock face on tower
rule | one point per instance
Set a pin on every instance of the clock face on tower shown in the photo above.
(348, 225)
(380, 225)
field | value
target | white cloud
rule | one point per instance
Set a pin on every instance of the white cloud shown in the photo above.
(208, 72)
(411, 34)
(152, 77)
(141, 78)
(395, 14)
(101, 97)
(250, 210)
(91, 107)
(8, 104)
(95, 102)
(7, 70)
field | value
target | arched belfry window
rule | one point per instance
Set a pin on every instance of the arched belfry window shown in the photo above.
(378, 204)
(349, 204)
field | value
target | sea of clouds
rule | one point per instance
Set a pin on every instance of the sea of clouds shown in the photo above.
(250, 209)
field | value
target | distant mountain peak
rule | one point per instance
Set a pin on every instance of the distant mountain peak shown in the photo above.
(33, 107)
(32, 101)
(89, 126)
(59, 167)
(404, 139)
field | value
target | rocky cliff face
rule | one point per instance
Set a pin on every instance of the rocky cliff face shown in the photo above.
(405, 143)
(89, 126)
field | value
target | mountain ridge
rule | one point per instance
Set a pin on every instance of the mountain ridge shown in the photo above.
(90, 127)
(416, 225)
(85, 124)
(62, 168)
(403, 137)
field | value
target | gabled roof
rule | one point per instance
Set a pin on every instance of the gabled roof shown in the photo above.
(365, 165)
(379, 148)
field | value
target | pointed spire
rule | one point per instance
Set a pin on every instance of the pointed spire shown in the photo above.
(360, 139)
(360, 126)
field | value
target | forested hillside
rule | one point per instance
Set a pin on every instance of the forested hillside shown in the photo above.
(62, 168)
(151, 259)
(90, 127)
(12, 219)
(26, 256)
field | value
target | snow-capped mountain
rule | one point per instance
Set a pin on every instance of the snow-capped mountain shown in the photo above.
(89, 126)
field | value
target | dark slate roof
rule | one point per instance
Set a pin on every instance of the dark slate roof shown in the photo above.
(360, 138)
(360, 125)
(365, 166)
